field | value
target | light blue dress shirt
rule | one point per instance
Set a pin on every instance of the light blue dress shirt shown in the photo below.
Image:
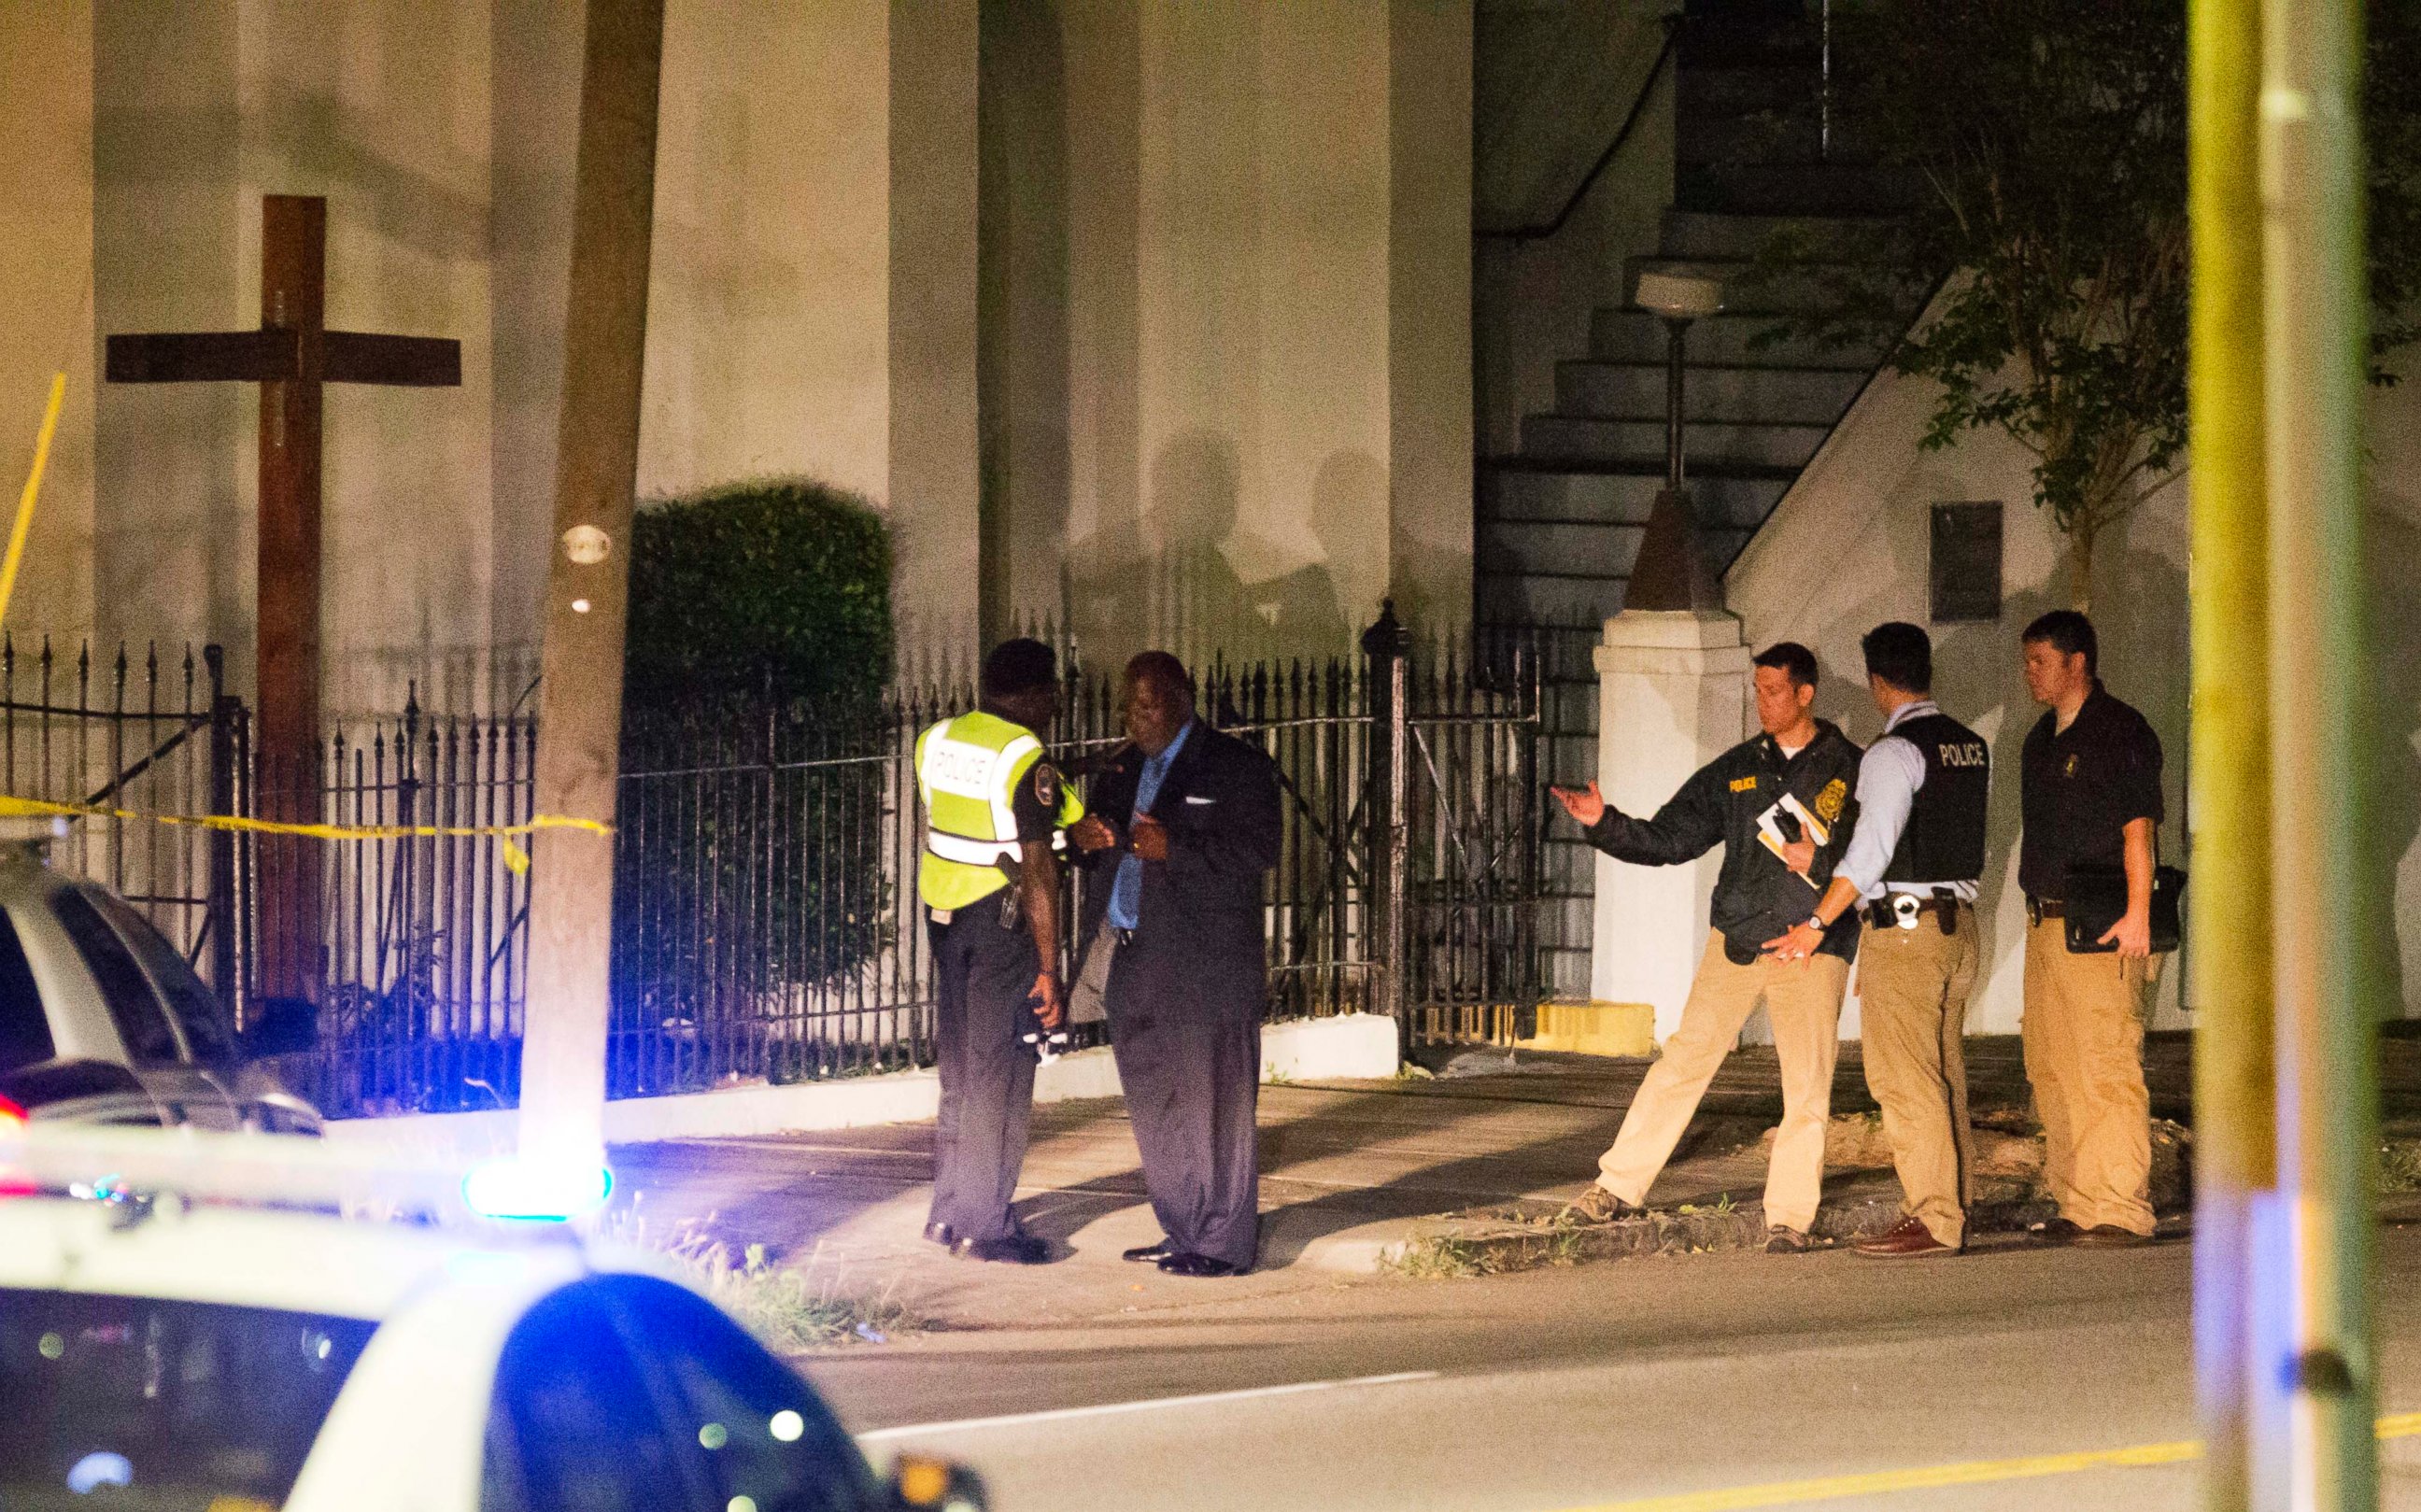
(1126, 889)
(1888, 777)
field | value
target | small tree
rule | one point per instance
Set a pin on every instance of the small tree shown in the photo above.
(749, 861)
(2044, 145)
(779, 588)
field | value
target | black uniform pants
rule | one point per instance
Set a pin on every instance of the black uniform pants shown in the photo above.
(1185, 1024)
(986, 974)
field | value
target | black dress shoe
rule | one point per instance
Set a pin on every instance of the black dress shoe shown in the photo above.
(939, 1234)
(1014, 1249)
(1151, 1254)
(2056, 1231)
(1183, 1264)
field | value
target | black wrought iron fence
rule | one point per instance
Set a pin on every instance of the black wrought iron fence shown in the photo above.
(764, 868)
(425, 936)
(139, 733)
(1473, 968)
(766, 919)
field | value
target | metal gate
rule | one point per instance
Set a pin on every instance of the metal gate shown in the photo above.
(1455, 837)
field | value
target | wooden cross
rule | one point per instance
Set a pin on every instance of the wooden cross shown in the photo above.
(291, 357)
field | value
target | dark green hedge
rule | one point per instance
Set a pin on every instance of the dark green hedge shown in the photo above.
(779, 588)
(748, 866)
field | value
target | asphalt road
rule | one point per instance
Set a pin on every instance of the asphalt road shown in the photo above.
(1595, 1387)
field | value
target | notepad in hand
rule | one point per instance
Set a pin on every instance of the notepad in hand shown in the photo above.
(1769, 827)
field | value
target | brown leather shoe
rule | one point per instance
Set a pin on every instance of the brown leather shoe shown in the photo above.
(1907, 1240)
(1597, 1205)
(2111, 1237)
(1781, 1240)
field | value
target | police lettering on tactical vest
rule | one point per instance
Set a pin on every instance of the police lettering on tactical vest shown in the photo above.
(1944, 840)
(971, 772)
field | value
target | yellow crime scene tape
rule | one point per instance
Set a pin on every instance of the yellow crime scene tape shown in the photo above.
(1929, 1477)
(516, 857)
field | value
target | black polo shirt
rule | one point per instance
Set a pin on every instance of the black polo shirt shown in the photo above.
(2082, 788)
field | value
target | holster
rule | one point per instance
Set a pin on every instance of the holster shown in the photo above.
(1013, 898)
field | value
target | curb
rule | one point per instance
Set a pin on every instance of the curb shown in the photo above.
(1344, 1047)
(1499, 1241)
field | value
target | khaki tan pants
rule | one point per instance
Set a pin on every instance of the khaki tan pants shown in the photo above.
(1913, 987)
(2084, 1037)
(1802, 998)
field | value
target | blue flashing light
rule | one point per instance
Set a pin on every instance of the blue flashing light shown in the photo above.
(536, 1192)
(99, 1469)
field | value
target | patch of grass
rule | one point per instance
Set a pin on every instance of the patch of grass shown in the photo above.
(787, 1308)
(2399, 1167)
(1444, 1257)
(1460, 1257)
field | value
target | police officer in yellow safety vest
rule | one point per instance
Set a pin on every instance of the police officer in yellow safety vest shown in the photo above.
(994, 808)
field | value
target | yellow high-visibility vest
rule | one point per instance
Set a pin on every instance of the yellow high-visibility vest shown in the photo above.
(967, 771)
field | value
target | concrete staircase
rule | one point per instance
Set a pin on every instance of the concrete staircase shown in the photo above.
(1560, 522)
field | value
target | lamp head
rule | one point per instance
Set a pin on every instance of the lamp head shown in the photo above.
(1679, 296)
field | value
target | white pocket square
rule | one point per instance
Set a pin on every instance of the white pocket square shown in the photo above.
(1204, 801)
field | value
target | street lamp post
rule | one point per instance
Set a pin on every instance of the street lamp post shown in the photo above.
(1670, 571)
(1676, 335)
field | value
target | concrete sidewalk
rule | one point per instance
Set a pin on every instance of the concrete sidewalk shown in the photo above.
(1352, 1171)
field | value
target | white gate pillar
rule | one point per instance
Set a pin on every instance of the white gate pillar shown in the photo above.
(1673, 693)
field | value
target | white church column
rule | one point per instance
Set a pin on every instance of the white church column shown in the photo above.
(1672, 696)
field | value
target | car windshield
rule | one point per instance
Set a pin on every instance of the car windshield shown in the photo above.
(133, 1006)
(24, 1027)
(154, 1406)
(195, 1010)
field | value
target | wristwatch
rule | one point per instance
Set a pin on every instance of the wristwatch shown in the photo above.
(1816, 922)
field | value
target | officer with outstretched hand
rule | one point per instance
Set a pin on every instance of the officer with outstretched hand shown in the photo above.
(995, 813)
(1780, 806)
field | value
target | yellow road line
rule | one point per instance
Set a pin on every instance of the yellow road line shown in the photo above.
(1924, 1477)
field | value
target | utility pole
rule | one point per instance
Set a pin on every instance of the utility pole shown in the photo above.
(2326, 944)
(2235, 1149)
(579, 698)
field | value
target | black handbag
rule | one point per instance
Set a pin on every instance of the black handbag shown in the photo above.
(2097, 898)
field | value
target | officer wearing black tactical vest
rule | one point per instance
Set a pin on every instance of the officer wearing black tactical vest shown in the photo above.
(1911, 871)
(995, 816)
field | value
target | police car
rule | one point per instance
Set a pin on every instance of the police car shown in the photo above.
(102, 1022)
(170, 1344)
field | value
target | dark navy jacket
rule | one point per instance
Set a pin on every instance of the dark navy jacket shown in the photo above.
(1220, 806)
(1757, 897)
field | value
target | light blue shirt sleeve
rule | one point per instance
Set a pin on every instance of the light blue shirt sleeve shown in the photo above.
(1888, 777)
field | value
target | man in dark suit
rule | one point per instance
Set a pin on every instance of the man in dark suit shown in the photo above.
(1182, 821)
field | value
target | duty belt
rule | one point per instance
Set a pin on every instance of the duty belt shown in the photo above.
(2040, 909)
(1903, 910)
